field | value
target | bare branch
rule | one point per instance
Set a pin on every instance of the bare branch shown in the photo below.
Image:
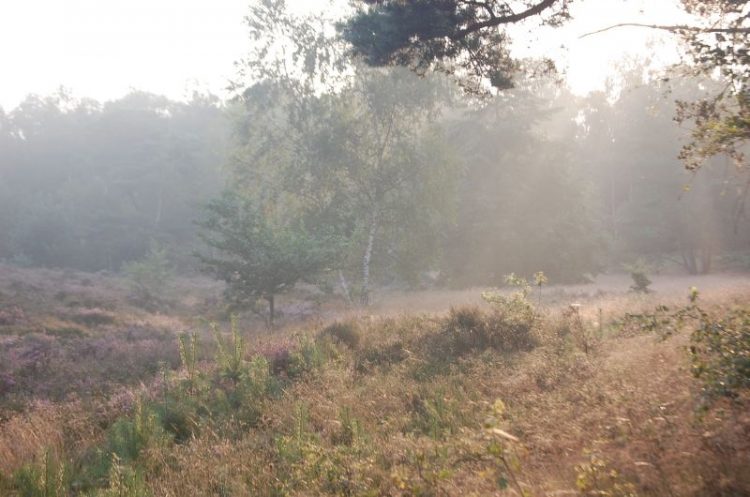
(676, 28)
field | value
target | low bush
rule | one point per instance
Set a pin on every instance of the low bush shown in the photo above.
(346, 333)
(379, 356)
(639, 274)
(470, 329)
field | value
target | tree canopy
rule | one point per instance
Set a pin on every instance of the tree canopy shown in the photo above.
(89, 185)
(454, 36)
(466, 38)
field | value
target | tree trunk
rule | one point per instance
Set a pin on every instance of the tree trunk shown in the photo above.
(706, 260)
(271, 310)
(688, 260)
(365, 297)
(345, 287)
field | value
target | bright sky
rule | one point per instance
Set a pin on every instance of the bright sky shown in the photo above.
(105, 48)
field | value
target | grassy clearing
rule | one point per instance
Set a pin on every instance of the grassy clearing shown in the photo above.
(493, 400)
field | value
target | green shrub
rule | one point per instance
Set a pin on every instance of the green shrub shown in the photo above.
(48, 478)
(128, 437)
(309, 356)
(720, 351)
(639, 274)
(230, 356)
(258, 380)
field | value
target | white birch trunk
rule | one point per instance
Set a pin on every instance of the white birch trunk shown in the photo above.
(365, 298)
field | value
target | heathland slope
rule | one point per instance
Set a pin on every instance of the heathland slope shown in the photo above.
(610, 396)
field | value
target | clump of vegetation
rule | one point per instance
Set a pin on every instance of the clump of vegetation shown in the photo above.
(517, 305)
(584, 336)
(343, 332)
(505, 328)
(596, 478)
(639, 273)
(720, 351)
(230, 355)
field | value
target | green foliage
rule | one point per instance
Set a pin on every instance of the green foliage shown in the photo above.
(47, 478)
(127, 438)
(663, 321)
(150, 277)
(720, 351)
(452, 36)
(309, 356)
(516, 308)
(230, 357)
(189, 359)
(179, 419)
(355, 149)
(259, 254)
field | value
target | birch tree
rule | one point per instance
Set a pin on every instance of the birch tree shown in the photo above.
(354, 147)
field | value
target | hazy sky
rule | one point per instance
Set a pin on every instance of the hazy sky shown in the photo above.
(104, 48)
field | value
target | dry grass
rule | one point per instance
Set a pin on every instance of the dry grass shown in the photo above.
(397, 411)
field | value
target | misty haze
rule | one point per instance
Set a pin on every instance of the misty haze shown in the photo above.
(362, 248)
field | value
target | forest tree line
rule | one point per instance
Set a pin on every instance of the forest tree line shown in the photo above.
(538, 180)
(327, 170)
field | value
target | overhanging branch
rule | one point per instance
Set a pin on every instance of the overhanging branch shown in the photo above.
(509, 19)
